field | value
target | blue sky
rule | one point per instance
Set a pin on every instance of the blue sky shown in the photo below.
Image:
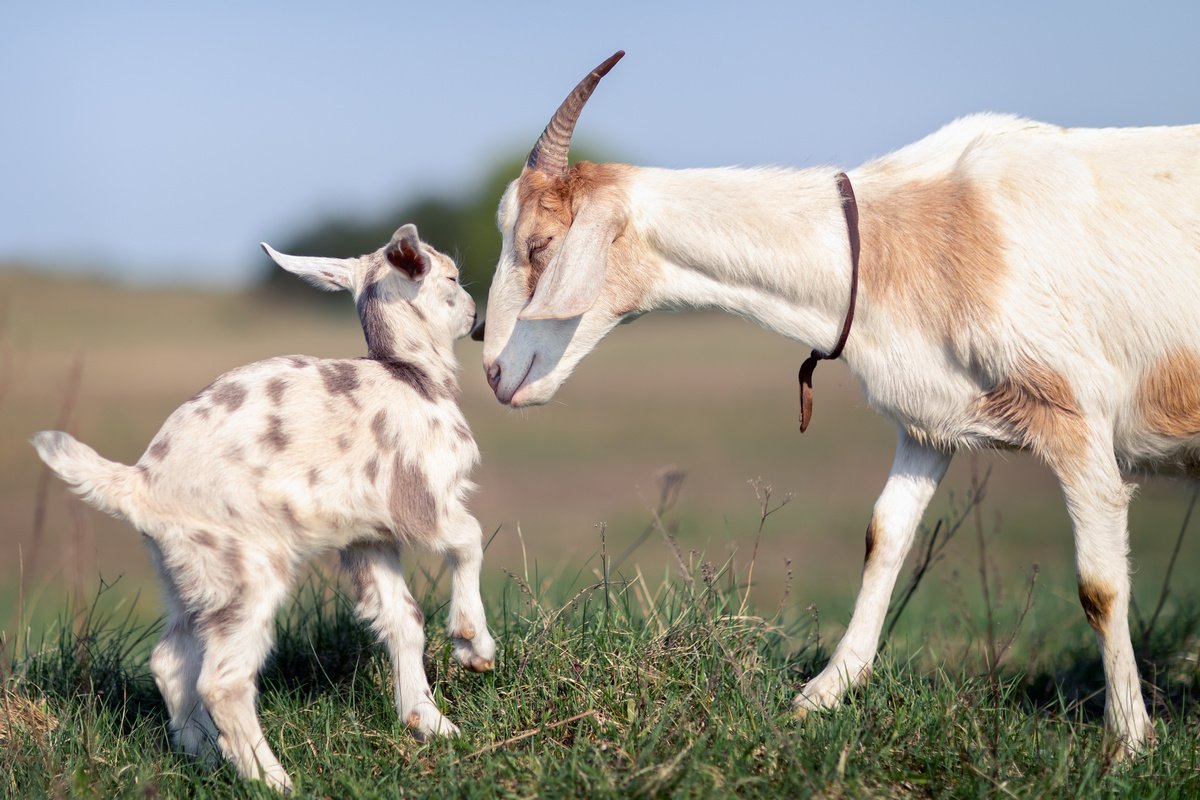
(161, 142)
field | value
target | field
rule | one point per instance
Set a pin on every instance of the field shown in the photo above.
(640, 655)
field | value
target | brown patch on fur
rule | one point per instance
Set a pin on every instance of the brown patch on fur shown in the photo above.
(231, 395)
(342, 442)
(299, 362)
(462, 431)
(232, 512)
(413, 507)
(205, 539)
(418, 615)
(235, 565)
(1038, 408)
(871, 535)
(290, 516)
(413, 720)
(932, 251)
(359, 573)
(280, 563)
(275, 390)
(313, 476)
(340, 377)
(203, 412)
(275, 437)
(548, 207)
(1169, 395)
(379, 429)
(407, 372)
(218, 621)
(1097, 601)
(160, 448)
(371, 469)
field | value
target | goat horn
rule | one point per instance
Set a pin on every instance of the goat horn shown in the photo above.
(549, 155)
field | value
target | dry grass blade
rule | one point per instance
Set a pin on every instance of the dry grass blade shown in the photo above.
(21, 716)
(520, 737)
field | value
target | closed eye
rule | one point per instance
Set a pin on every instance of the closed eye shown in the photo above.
(538, 245)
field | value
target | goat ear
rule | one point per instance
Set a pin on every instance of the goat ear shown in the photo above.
(329, 274)
(572, 282)
(404, 253)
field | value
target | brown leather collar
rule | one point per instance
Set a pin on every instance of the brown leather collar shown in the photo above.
(850, 207)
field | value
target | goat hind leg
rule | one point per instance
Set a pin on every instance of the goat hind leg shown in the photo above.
(1098, 500)
(237, 639)
(916, 472)
(383, 600)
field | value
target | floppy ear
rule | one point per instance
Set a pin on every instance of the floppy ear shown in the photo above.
(405, 254)
(329, 274)
(573, 280)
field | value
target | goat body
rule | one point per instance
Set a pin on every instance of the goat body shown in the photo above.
(1021, 285)
(283, 459)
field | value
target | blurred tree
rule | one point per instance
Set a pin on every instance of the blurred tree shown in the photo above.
(464, 228)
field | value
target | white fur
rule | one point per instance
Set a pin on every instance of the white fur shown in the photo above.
(1101, 239)
(287, 458)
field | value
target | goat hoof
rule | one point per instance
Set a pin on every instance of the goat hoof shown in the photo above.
(480, 664)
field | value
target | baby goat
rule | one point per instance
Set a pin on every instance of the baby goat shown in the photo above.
(283, 459)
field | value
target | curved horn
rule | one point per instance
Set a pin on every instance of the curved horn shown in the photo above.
(549, 155)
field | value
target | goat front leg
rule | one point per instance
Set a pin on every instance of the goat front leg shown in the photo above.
(386, 604)
(462, 541)
(1098, 500)
(916, 472)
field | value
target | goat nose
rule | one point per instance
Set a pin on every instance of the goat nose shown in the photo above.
(493, 375)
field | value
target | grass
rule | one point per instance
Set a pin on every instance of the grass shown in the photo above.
(610, 684)
(630, 664)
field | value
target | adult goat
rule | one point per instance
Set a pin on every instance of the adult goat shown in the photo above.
(1021, 285)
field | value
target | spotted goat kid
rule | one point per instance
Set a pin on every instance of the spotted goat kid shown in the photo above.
(283, 459)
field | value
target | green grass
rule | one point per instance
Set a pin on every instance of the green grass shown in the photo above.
(622, 687)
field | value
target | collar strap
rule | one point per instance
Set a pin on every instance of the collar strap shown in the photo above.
(850, 207)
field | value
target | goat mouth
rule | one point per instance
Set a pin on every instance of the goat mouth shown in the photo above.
(512, 398)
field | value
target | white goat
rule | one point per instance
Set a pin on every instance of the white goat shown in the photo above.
(1021, 285)
(283, 459)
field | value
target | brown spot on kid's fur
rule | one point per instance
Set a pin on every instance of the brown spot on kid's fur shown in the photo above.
(205, 539)
(413, 507)
(380, 343)
(313, 477)
(1038, 409)
(340, 377)
(409, 373)
(418, 615)
(342, 442)
(275, 437)
(371, 469)
(275, 390)
(462, 431)
(379, 429)
(1097, 601)
(1169, 395)
(231, 395)
(160, 448)
(932, 251)
(413, 720)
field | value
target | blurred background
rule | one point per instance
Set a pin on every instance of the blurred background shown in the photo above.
(147, 148)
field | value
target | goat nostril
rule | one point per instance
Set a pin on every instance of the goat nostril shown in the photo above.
(493, 376)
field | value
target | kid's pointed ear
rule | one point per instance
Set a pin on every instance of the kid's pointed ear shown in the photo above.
(329, 274)
(405, 253)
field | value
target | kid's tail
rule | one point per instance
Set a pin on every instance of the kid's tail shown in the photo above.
(104, 484)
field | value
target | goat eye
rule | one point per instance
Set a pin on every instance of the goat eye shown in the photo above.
(538, 245)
